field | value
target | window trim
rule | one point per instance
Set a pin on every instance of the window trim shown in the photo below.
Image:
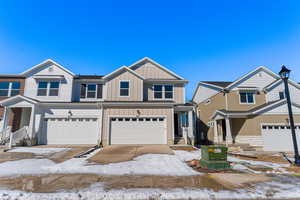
(124, 88)
(254, 97)
(10, 89)
(163, 92)
(86, 91)
(48, 88)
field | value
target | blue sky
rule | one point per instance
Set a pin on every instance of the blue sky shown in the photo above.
(199, 40)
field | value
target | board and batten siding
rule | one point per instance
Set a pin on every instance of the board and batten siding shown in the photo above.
(150, 71)
(132, 112)
(178, 92)
(135, 88)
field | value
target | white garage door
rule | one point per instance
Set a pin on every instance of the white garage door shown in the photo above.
(278, 137)
(71, 131)
(131, 130)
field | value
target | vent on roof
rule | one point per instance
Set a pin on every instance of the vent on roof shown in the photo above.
(50, 69)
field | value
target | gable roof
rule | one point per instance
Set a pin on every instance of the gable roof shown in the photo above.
(252, 72)
(47, 62)
(123, 68)
(221, 84)
(33, 101)
(253, 111)
(145, 59)
(278, 81)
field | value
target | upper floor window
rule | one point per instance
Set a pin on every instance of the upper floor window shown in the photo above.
(91, 91)
(163, 91)
(247, 97)
(124, 88)
(46, 88)
(9, 89)
(281, 95)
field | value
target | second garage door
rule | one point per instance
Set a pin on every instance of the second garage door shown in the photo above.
(131, 130)
(71, 131)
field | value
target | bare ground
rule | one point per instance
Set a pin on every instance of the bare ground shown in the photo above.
(58, 182)
(122, 153)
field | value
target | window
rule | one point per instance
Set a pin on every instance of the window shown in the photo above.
(4, 89)
(247, 97)
(54, 87)
(91, 91)
(9, 89)
(281, 95)
(158, 91)
(48, 88)
(124, 88)
(163, 91)
(15, 88)
(168, 91)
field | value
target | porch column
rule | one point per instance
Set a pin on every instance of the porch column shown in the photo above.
(5, 118)
(31, 127)
(191, 126)
(216, 137)
(228, 131)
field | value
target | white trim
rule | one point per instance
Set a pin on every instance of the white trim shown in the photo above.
(280, 80)
(124, 88)
(46, 62)
(252, 72)
(123, 68)
(86, 91)
(247, 103)
(108, 127)
(157, 64)
(48, 88)
(16, 97)
(163, 92)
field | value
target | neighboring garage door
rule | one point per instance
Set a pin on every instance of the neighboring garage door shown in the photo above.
(71, 131)
(278, 137)
(143, 130)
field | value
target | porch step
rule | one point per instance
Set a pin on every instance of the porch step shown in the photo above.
(179, 140)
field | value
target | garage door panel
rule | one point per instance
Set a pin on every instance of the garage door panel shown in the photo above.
(138, 131)
(71, 131)
(278, 137)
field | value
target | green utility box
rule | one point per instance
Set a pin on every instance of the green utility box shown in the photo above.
(214, 157)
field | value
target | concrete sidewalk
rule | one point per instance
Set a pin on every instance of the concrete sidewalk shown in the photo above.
(121, 153)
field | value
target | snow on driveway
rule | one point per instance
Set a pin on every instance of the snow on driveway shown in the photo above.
(38, 151)
(148, 164)
(283, 187)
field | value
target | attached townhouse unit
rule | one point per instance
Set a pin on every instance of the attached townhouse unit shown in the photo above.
(251, 110)
(143, 103)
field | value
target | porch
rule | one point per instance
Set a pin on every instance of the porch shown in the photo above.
(226, 126)
(184, 126)
(18, 121)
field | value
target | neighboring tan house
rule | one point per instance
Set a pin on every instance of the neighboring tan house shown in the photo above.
(11, 85)
(143, 103)
(251, 110)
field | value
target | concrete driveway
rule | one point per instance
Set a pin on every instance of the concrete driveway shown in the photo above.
(121, 153)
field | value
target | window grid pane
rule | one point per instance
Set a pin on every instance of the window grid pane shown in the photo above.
(124, 84)
(43, 84)
(15, 85)
(3, 93)
(250, 98)
(14, 92)
(42, 92)
(243, 97)
(54, 85)
(4, 85)
(124, 92)
(53, 92)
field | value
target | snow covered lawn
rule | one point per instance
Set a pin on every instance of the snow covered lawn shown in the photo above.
(149, 164)
(38, 151)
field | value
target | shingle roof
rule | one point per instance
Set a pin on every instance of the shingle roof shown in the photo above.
(89, 77)
(222, 84)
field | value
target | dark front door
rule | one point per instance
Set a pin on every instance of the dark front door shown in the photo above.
(176, 133)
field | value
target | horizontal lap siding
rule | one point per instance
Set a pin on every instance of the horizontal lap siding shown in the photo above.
(252, 126)
(133, 112)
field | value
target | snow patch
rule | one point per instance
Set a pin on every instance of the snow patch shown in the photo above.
(188, 155)
(38, 151)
